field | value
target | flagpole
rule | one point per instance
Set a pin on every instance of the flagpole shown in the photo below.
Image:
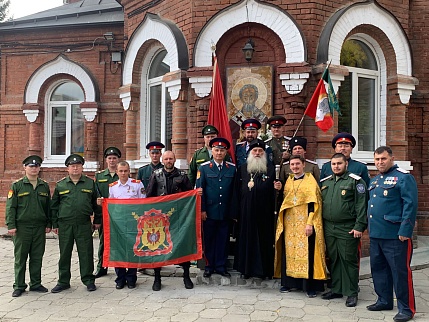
(302, 118)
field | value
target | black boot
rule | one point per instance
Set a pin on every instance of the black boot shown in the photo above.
(186, 279)
(157, 282)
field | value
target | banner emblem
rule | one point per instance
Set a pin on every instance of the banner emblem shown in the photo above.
(153, 233)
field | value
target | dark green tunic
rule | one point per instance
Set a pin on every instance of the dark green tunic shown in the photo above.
(102, 180)
(344, 208)
(72, 208)
(146, 171)
(28, 211)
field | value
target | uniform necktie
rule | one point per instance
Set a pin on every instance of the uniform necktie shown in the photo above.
(220, 167)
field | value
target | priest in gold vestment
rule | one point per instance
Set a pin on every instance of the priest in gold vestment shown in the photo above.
(299, 244)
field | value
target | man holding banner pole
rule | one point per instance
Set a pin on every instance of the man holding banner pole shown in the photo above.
(165, 181)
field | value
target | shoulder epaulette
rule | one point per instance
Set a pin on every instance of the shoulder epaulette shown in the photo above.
(354, 176)
(285, 163)
(230, 163)
(101, 171)
(158, 171)
(61, 179)
(239, 143)
(328, 177)
(363, 162)
(268, 140)
(135, 181)
(287, 138)
(205, 163)
(402, 170)
(113, 183)
(310, 161)
(18, 180)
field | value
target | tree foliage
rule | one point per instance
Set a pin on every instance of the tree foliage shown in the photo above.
(4, 9)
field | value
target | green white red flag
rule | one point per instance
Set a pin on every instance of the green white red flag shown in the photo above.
(152, 232)
(322, 103)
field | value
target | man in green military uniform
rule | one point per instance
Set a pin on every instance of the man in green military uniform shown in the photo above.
(73, 203)
(345, 199)
(278, 143)
(155, 156)
(204, 154)
(102, 180)
(27, 220)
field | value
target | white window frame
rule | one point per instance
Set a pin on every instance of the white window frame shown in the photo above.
(357, 73)
(56, 160)
(145, 116)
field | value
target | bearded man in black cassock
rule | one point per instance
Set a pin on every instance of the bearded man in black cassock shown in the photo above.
(254, 198)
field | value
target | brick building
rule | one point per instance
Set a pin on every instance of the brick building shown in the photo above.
(95, 73)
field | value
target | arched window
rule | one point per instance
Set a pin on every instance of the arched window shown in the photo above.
(359, 96)
(157, 123)
(65, 122)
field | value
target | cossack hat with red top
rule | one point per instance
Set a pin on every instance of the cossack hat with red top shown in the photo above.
(276, 121)
(343, 137)
(251, 124)
(155, 146)
(219, 143)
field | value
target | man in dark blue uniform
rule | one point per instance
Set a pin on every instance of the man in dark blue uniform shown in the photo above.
(392, 210)
(216, 178)
(155, 156)
(344, 143)
(204, 154)
(250, 128)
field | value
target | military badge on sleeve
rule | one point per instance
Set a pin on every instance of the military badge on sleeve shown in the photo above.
(360, 188)
(10, 194)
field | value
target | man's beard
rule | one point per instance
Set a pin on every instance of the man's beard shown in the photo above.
(256, 164)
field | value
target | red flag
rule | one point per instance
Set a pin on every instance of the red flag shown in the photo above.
(218, 116)
(319, 108)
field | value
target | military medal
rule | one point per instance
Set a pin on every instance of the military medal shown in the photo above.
(385, 193)
(343, 193)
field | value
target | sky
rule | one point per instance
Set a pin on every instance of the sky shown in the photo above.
(21, 8)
